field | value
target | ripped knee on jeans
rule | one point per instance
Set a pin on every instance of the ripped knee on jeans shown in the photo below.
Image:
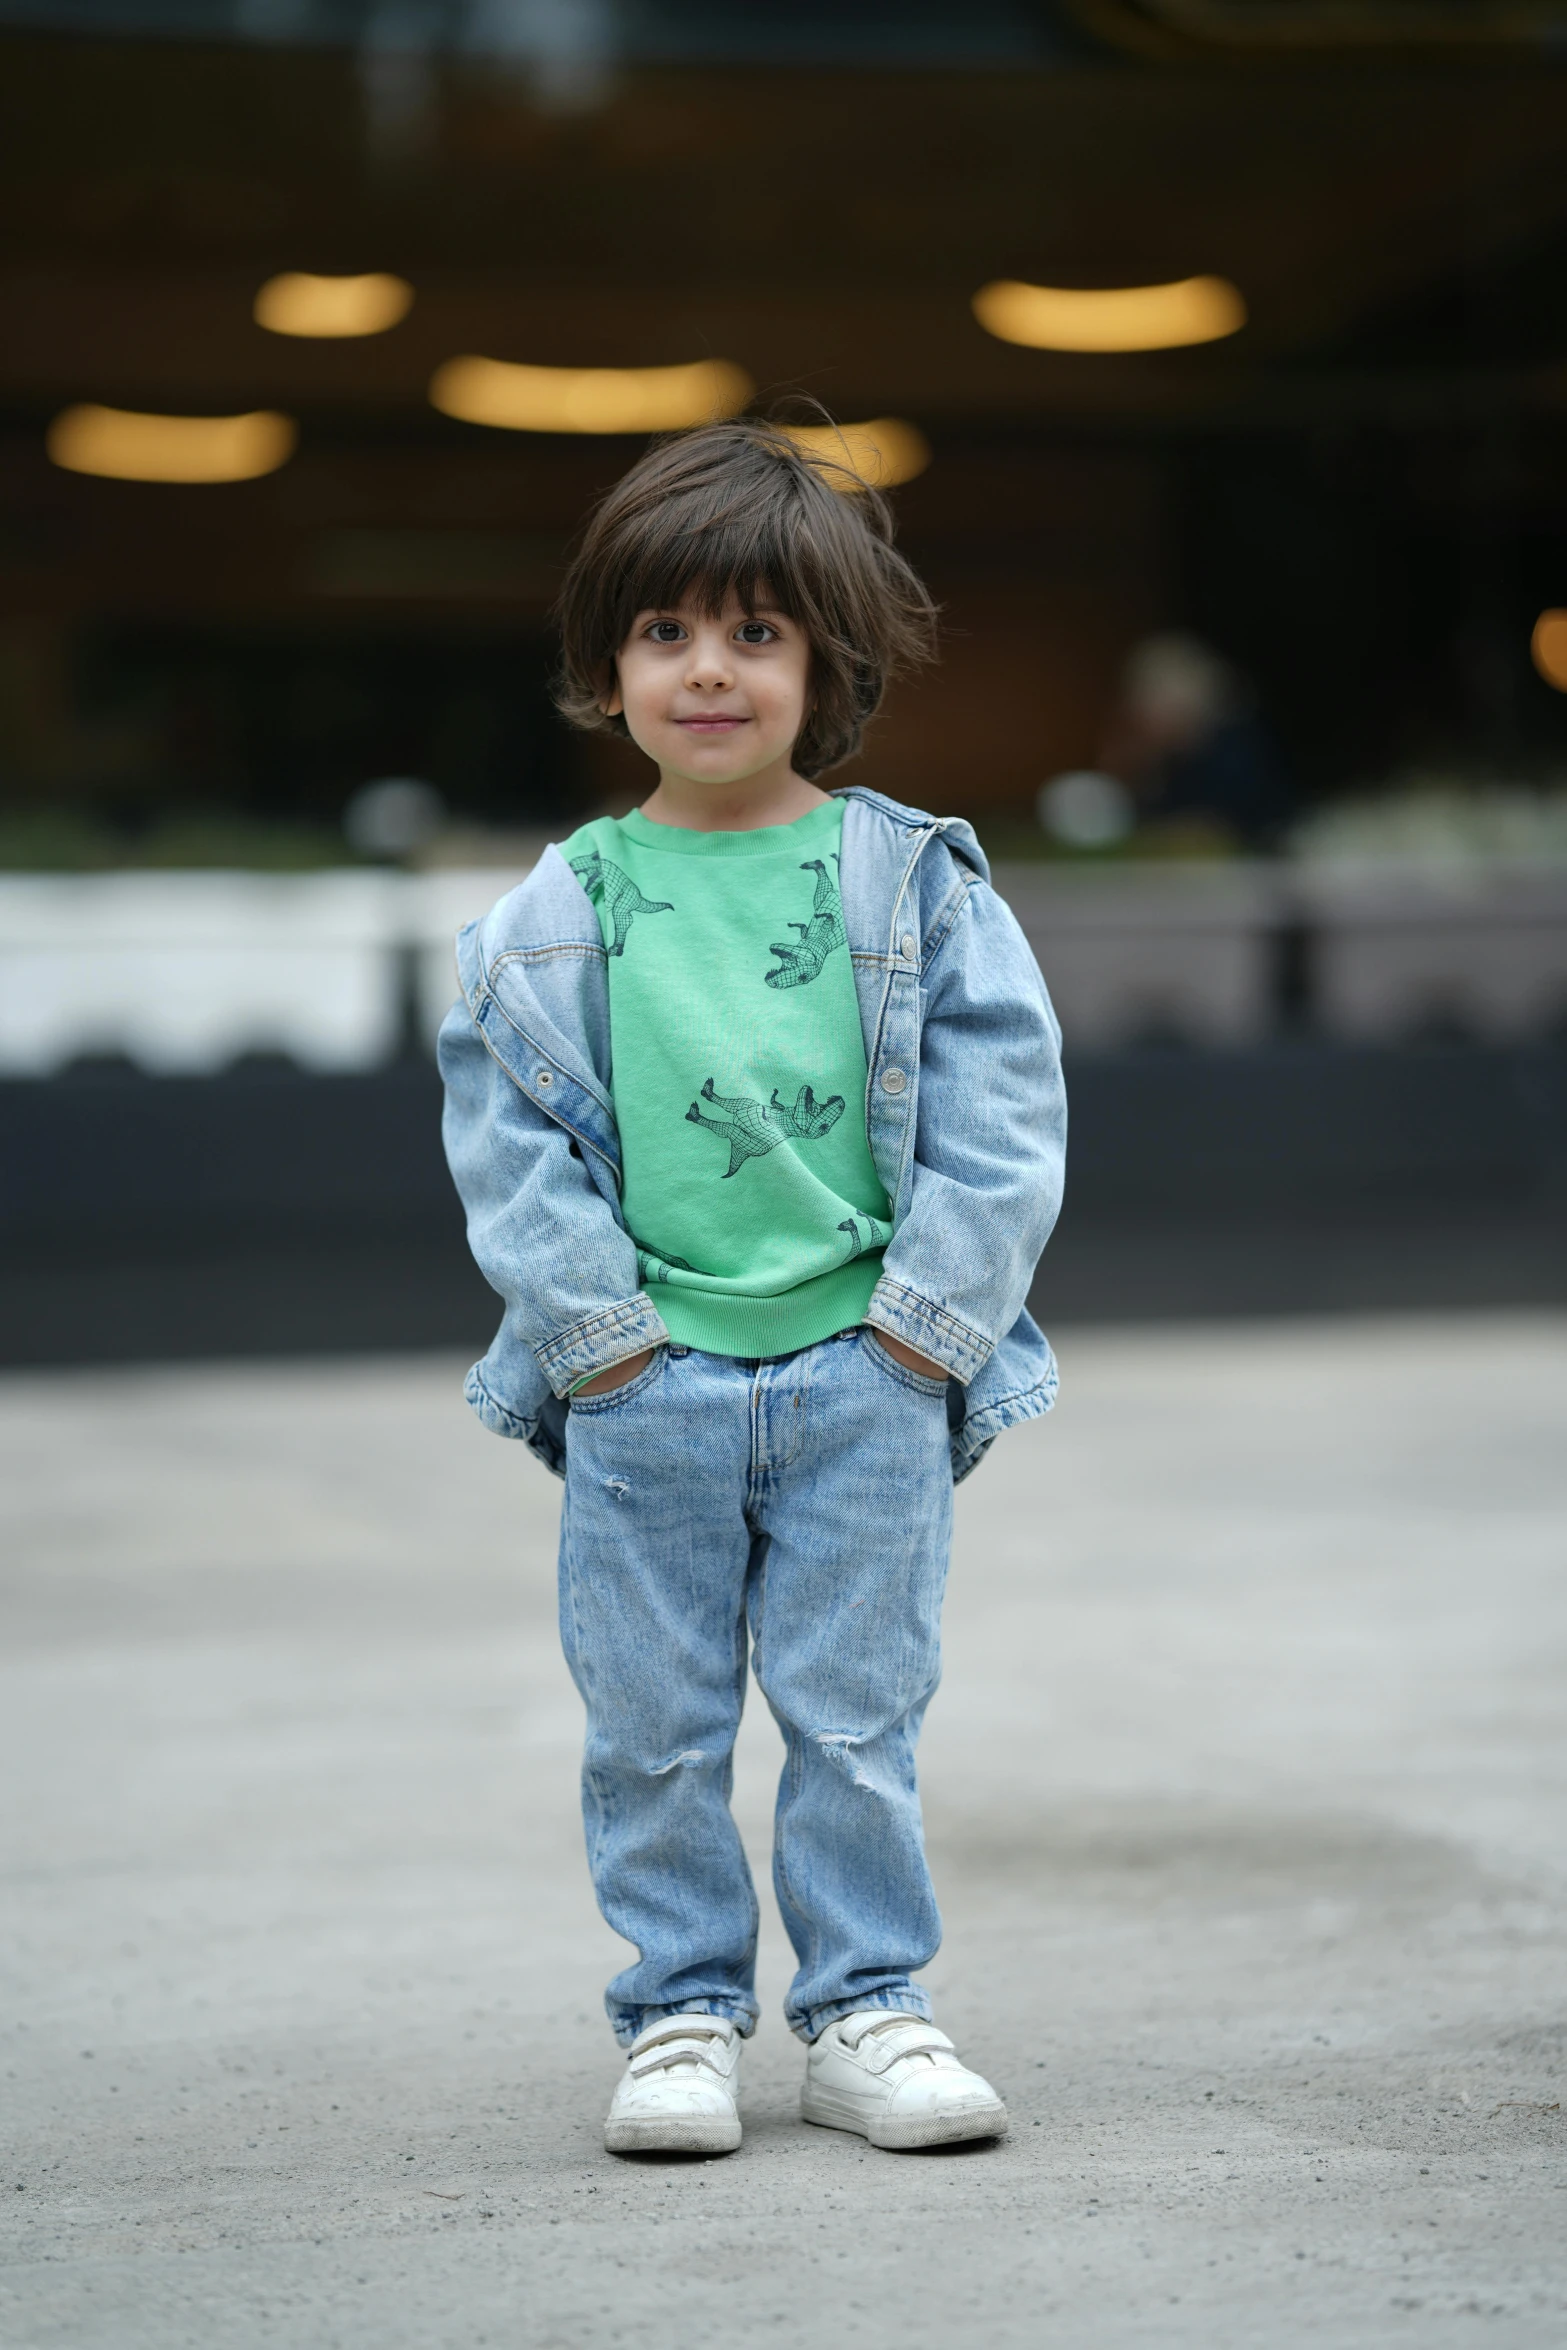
(840, 1746)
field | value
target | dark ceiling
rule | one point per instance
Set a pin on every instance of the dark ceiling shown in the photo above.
(824, 229)
(1383, 442)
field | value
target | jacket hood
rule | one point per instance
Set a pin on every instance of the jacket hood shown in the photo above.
(956, 832)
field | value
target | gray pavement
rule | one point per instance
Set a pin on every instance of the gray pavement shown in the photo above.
(1246, 1806)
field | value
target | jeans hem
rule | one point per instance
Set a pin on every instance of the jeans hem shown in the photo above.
(899, 1999)
(628, 2021)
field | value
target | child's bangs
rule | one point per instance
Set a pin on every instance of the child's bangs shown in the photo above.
(704, 561)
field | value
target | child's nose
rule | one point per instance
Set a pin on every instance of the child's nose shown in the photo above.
(709, 663)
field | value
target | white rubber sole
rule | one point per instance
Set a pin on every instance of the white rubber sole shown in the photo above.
(906, 2133)
(673, 2133)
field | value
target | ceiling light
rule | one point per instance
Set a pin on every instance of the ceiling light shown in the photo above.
(588, 399)
(1111, 318)
(1548, 644)
(877, 455)
(298, 304)
(127, 446)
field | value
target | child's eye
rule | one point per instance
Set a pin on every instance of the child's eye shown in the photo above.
(666, 632)
(754, 632)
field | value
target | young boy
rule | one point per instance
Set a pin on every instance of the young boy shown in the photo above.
(781, 1062)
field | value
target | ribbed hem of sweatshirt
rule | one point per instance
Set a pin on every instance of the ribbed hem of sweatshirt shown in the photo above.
(716, 1324)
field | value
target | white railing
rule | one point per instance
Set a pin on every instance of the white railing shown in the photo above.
(1178, 951)
(1479, 948)
(185, 973)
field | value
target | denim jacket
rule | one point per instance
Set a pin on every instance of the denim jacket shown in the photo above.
(965, 1113)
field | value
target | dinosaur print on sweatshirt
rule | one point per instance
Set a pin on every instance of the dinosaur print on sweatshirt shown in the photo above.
(652, 1267)
(874, 1235)
(800, 960)
(607, 885)
(753, 1128)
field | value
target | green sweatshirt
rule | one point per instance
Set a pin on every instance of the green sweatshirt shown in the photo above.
(739, 1078)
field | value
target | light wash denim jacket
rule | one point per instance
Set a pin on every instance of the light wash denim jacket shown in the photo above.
(964, 1110)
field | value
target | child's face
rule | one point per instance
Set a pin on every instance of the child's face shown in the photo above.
(713, 700)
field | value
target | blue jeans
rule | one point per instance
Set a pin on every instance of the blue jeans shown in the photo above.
(811, 1498)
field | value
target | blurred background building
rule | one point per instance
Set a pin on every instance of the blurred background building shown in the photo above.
(1217, 353)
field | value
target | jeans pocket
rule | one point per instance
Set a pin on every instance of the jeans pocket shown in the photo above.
(627, 1392)
(889, 1363)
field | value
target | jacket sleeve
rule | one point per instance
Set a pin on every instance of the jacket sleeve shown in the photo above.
(989, 1146)
(542, 1233)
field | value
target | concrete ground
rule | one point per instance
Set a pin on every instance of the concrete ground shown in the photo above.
(1245, 1796)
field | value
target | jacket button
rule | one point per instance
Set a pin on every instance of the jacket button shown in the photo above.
(906, 949)
(893, 1081)
(545, 1077)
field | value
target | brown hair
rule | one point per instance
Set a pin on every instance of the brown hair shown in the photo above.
(737, 507)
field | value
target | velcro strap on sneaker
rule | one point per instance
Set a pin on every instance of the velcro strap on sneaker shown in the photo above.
(892, 2034)
(680, 2039)
(684, 2025)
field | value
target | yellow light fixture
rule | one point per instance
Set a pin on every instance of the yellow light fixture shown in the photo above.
(1111, 318)
(299, 304)
(124, 445)
(877, 455)
(588, 399)
(1548, 644)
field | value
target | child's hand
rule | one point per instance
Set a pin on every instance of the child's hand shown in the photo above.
(907, 1356)
(618, 1373)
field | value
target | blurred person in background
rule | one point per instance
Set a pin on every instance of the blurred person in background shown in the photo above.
(1186, 738)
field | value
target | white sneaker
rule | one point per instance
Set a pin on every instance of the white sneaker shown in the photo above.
(896, 2080)
(677, 2095)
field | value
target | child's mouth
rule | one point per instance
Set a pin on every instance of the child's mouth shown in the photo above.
(710, 725)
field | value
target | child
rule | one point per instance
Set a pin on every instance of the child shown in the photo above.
(754, 1101)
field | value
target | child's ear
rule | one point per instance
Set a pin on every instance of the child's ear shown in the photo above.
(612, 705)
